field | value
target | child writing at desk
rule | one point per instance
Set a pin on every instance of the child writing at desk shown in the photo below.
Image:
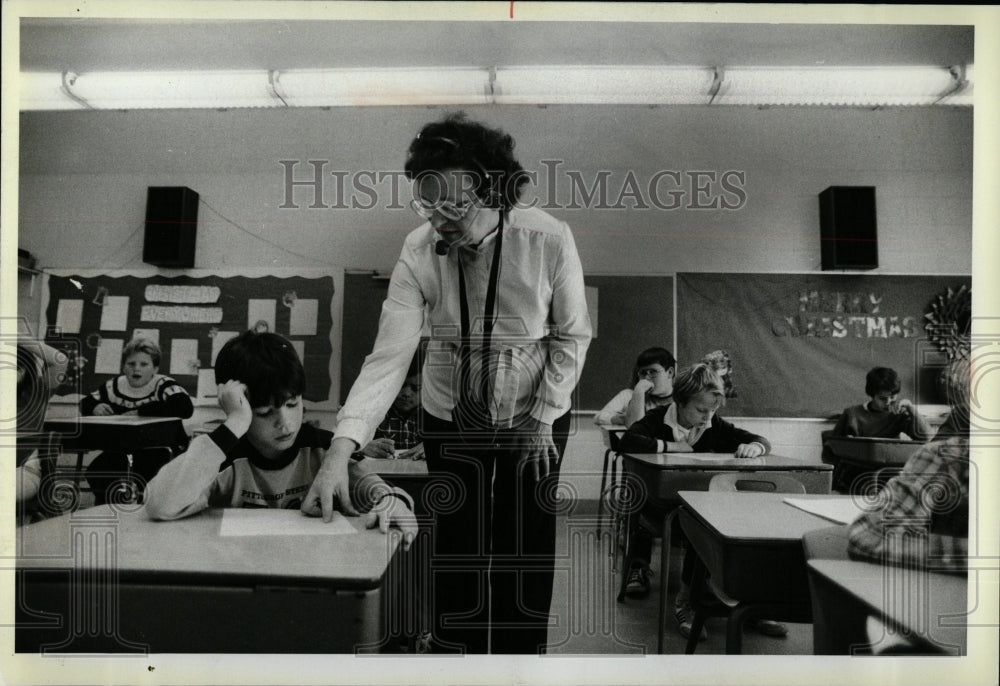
(139, 390)
(691, 424)
(398, 436)
(885, 415)
(263, 455)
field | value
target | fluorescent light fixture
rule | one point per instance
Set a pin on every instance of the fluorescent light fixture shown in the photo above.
(603, 85)
(647, 85)
(840, 86)
(368, 87)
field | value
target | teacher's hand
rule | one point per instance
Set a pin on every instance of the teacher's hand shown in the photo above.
(331, 485)
(537, 450)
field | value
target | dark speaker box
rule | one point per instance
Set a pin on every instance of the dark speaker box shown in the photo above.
(848, 237)
(171, 223)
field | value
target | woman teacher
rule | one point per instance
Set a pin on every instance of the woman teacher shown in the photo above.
(500, 290)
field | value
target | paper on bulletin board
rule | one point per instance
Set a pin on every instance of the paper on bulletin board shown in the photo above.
(304, 312)
(259, 313)
(591, 293)
(300, 350)
(69, 315)
(272, 522)
(219, 339)
(114, 313)
(207, 388)
(183, 356)
(151, 334)
(109, 356)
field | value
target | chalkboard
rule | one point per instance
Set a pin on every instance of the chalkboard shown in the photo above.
(801, 344)
(93, 316)
(633, 313)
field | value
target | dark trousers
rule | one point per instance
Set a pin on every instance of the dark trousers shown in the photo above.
(111, 478)
(493, 541)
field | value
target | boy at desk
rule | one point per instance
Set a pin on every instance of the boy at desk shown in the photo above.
(691, 424)
(139, 390)
(885, 415)
(398, 436)
(262, 455)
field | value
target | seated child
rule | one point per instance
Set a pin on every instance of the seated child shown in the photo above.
(399, 431)
(885, 415)
(140, 390)
(691, 424)
(911, 527)
(262, 455)
(652, 384)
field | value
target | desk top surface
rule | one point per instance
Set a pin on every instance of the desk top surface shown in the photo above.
(408, 467)
(746, 517)
(192, 551)
(931, 603)
(110, 420)
(724, 462)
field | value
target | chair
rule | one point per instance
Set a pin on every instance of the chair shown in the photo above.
(612, 440)
(50, 499)
(705, 594)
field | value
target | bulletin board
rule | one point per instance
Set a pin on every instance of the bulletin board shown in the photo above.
(92, 316)
(629, 313)
(801, 344)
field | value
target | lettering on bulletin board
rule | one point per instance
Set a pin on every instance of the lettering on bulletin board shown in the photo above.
(190, 317)
(801, 344)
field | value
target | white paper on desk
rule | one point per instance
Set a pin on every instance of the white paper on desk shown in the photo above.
(268, 522)
(109, 356)
(302, 320)
(839, 510)
(710, 457)
(69, 315)
(114, 313)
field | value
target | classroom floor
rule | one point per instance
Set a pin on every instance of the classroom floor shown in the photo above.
(588, 620)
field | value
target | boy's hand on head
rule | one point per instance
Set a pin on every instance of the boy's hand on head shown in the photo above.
(643, 386)
(390, 511)
(234, 402)
(103, 410)
(331, 485)
(904, 406)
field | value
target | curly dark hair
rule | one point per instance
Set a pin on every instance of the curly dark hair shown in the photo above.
(456, 142)
(881, 379)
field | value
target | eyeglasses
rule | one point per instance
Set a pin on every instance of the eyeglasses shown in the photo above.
(448, 210)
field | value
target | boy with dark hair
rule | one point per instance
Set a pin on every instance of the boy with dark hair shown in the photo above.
(885, 415)
(263, 455)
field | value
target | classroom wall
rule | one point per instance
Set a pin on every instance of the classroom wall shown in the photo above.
(83, 180)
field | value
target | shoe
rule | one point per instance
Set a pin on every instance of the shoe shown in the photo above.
(769, 627)
(684, 614)
(422, 644)
(637, 585)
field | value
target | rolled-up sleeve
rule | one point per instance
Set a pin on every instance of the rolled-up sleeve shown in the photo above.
(384, 369)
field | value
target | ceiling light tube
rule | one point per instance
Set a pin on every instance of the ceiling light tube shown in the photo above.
(45, 91)
(603, 85)
(168, 90)
(371, 87)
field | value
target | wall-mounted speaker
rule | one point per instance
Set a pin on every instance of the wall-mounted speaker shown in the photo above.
(171, 223)
(848, 236)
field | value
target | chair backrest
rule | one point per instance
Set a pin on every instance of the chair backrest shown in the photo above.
(615, 439)
(766, 483)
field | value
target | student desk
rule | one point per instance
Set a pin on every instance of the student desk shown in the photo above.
(662, 475)
(109, 580)
(751, 546)
(928, 608)
(119, 433)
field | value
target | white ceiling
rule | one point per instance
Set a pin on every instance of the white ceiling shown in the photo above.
(107, 45)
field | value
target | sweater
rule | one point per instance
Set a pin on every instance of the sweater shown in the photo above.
(720, 436)
(162, 397)
(221, 470)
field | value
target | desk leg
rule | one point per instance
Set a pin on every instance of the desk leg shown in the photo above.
(668, 523)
